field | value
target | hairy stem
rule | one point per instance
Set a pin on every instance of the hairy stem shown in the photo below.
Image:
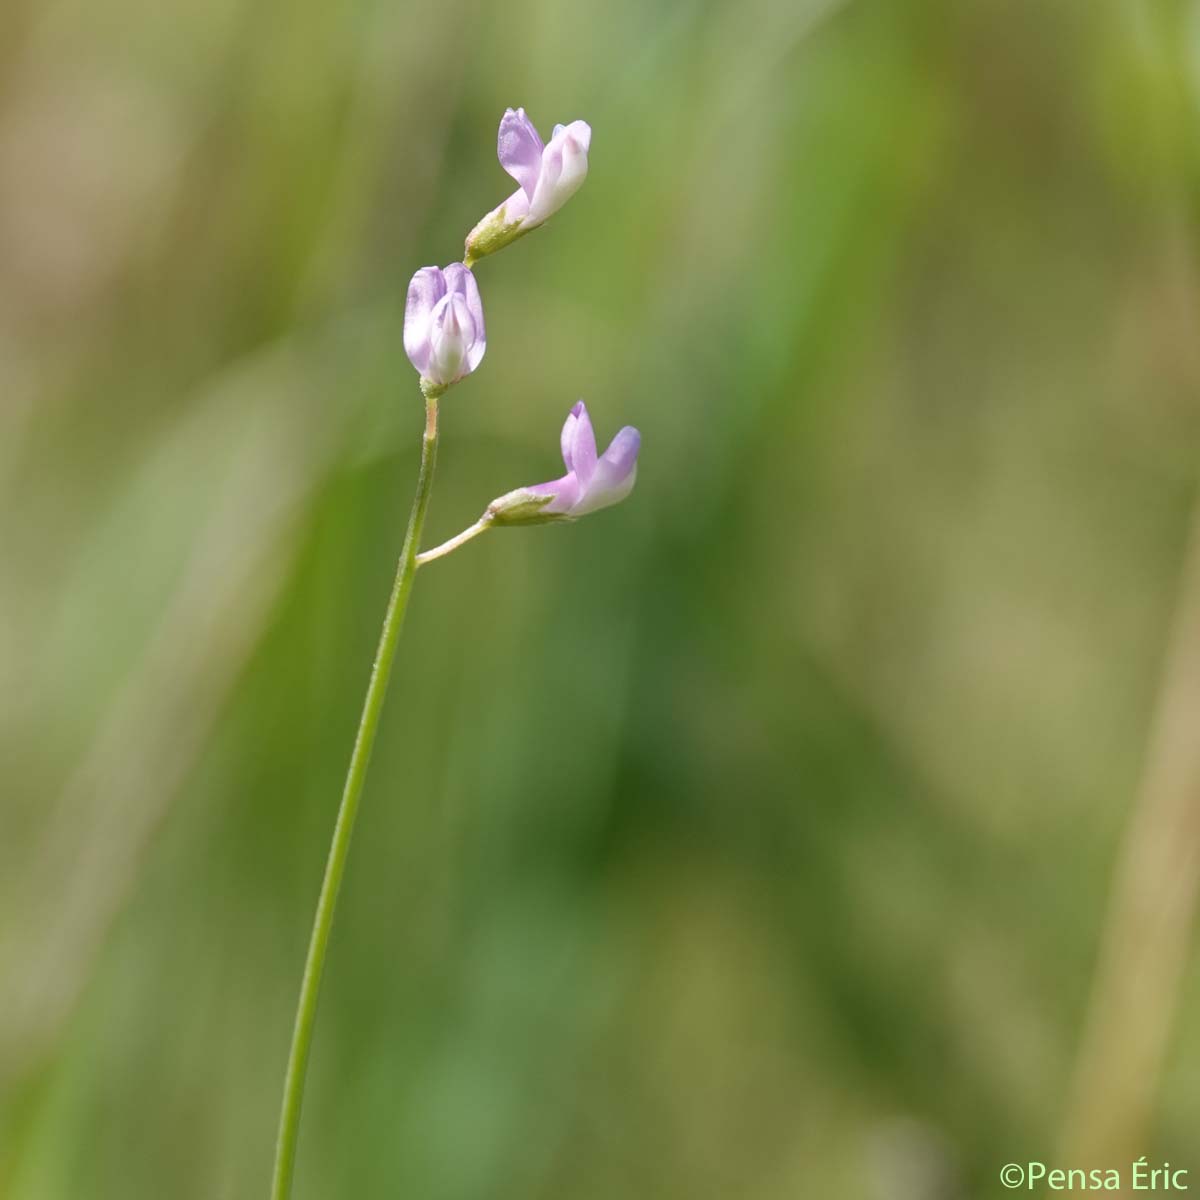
(335, 866)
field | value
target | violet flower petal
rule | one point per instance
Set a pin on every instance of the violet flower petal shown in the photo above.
(460, 281)
(566, 492)
(452, 334)
(581, 131)
(579, 443)
(515, 209)
(564, 168)
(519, 149)
(428, 286)
(614, 476)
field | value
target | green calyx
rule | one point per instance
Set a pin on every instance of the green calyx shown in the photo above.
(522, 507)
(491, 234)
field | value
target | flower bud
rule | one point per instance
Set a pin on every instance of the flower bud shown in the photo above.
(444, 334)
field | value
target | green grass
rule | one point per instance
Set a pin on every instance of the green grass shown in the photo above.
(746, 839)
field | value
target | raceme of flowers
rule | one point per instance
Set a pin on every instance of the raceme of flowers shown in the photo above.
(445, 337)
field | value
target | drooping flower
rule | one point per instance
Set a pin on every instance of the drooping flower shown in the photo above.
(590, 483)
(444, 334)
(549, 176)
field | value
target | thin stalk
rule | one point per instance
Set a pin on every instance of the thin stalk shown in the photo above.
(335, 866)
(484, 523)
(1147, 944)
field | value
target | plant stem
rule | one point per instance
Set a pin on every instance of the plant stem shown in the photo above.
(1147, 942)
(335, 866)
(484, 523)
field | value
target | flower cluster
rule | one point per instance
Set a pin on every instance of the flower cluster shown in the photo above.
(445, 337)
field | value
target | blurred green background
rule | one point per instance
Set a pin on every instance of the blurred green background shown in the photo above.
(752, 839)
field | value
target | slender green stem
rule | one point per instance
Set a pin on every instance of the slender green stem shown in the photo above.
(481, 526)
(335, 866)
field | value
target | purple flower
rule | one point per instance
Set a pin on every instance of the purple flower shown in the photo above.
(444, 335)
(590, 483)
(549, 175)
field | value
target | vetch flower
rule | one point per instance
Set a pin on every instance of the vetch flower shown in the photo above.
(444, 335)
(549, 176)
(590, 483)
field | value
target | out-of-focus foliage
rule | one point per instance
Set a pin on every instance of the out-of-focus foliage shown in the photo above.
(749, 840)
